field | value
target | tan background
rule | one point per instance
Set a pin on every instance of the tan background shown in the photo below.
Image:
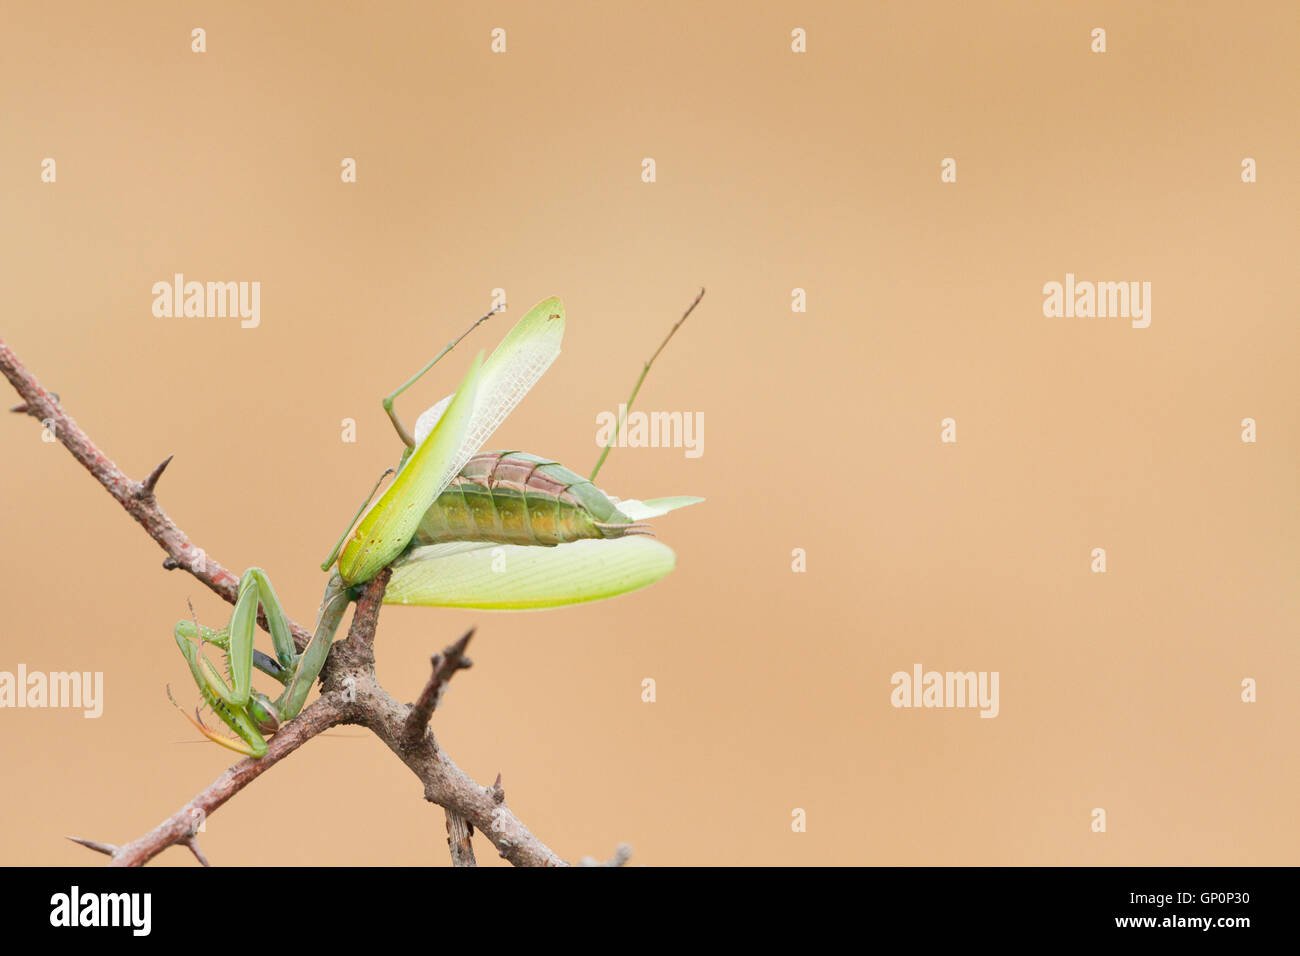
(822, 429)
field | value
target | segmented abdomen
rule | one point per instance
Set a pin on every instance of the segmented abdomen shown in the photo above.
(512, 497)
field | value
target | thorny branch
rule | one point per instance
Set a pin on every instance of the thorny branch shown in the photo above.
(350, 693)
(445, 666)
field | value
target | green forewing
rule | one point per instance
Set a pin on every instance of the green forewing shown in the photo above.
(446, 439)
(387, 528)
(518, 577)
(511, 370)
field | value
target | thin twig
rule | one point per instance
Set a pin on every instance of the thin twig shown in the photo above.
(445, 666)
(181, 826)
(44, 407)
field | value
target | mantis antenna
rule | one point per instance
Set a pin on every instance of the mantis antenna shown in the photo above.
(641, 378)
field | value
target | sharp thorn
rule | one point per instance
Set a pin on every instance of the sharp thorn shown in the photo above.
(24, 408)
(107, 849)
(147, 486)
(193, 844)
(498, 792)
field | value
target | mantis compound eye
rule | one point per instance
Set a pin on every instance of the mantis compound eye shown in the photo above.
(264, 714)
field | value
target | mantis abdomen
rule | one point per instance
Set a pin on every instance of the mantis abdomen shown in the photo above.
(512, 497)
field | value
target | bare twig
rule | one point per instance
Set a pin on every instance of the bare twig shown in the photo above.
(446, 784)
(44, 407)
(350, 693)
(181, 826)
(445, 665)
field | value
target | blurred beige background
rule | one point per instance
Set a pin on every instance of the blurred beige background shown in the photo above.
(775, 171)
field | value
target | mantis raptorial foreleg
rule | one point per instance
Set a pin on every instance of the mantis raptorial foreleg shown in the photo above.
(338, 545)
(246, 711)
(220, 637)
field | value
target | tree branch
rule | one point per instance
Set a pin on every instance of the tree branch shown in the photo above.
(350, 693)
(136, 497)
(182, 826)
(445, 665)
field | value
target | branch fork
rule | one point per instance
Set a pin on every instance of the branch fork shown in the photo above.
(350, 693)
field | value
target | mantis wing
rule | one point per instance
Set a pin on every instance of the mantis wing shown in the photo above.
(387, 528)
(653, 507)
(449, 434)
(513, 368)
(519, 577)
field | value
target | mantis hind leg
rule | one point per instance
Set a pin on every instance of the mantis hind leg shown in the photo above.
(388, 400)
(333, 605)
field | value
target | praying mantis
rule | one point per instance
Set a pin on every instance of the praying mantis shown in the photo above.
(499, 530)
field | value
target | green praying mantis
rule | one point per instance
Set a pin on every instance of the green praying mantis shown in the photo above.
(449, 523)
